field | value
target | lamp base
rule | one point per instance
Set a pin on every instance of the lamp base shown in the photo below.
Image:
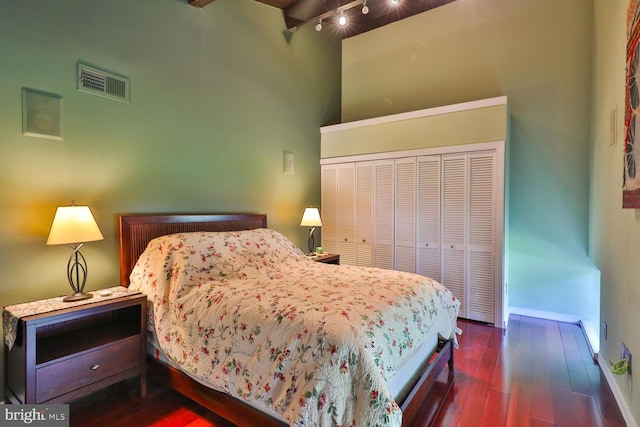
(77, 275)
(311, 242)
(79, 296)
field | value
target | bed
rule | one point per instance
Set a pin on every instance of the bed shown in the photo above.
(200, 271)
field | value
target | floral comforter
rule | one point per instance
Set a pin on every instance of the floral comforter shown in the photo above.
(313, 344)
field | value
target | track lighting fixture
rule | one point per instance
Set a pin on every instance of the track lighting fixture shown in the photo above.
(395, 1)
(339, 12)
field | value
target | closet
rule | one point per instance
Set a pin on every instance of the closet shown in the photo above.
(436, 211)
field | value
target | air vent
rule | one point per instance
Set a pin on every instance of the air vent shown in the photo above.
(102, 83)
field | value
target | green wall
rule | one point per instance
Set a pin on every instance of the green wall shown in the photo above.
(217, 95)
(615, 232)
(538, 54)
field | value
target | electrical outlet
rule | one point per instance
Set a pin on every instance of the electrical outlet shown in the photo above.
(625, 354)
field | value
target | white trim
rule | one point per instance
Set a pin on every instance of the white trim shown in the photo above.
(592, 336)
(499, 233)
(617, 394)
(507, 310)
(463, 106)
(480, 146)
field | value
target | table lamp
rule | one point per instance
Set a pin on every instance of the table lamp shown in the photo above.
(74, 226)
(311, 219)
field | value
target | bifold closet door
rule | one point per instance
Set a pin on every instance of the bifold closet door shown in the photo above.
(346, 220)
(383, 213)
(428, 232)
(481, 240)
(454, 226)
(364, 214)
(329, 208)
(405, 215)
(468, 231)
(338, 210)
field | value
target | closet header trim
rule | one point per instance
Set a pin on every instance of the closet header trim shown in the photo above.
(446, 109)
(481, 146)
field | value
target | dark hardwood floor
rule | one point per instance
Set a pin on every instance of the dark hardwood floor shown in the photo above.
(537, 373)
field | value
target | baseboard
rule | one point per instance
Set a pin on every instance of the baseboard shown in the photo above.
(617, 394)
(549, 315)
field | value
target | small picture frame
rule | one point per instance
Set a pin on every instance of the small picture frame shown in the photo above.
(41, 114)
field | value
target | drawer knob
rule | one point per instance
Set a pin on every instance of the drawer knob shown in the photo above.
(95, 367)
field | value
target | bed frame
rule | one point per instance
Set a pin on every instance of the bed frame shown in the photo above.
(420, 404)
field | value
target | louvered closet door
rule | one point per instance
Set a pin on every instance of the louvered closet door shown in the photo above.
(364, 214)
(405, 215)
(346, 213)
(428, 242)
(454, 224)
(383, 213)
(481, 270)
(329, 208)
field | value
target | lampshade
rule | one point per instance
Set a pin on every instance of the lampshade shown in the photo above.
(311, 218)
(73, 224)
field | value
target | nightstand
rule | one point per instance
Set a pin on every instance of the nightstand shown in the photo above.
(56, 352)
(327, 258)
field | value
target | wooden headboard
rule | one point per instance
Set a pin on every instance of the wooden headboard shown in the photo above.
(136, 231)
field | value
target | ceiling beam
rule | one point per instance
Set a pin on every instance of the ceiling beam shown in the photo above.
(280, 4)
(200, 3)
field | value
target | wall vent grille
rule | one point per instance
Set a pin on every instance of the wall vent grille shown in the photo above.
(102, 83)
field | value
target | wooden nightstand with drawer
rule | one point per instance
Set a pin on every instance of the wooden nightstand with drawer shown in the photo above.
(55, 353)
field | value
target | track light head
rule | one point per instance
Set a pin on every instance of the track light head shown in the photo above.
(365, 8)
(319, 26)
(342, 20)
